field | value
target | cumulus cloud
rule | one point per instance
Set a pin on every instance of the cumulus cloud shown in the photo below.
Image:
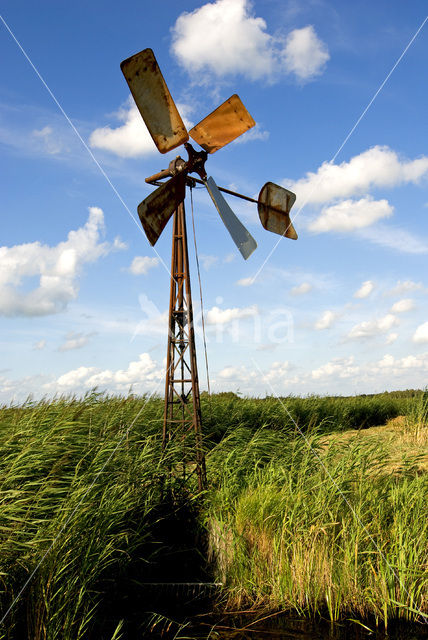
(224, 316)
(421, 333)
(391, 337)
(325, 320)
(143, 373)
(57, 269)
(365, 289)
(372, 328)
(305, 54)
(349, 215)
(132, 138)
(377, 167)
(301, 289)
(277, 373)
(75, 340)
(401, 306)
(141, 265)
(340, 367)
(399, 365)
(224, 38)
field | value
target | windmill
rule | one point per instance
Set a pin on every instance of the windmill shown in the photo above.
(182, 416)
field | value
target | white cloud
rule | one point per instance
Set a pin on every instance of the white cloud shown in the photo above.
(405, 286)
(401, 306)
(395, 238)
(57, 269)
(365, 289)
(119, 244)
(38, 346)
(208, 261)
(305, 54)
(232, 372)
(243, 375)
(224, 316)
(391, 337)
(379, 166)
(246, 282)
(349, 215)
(421, 333)
(73, 378)
(142, 373)
(400, 365)
(225, 38)
(256, 133)
(372, 328)
(325, 320)
(50, 140)
(142, 370)
(340, 367)
(75, 340)
(301, 289)
(141, 265)
(130, 140)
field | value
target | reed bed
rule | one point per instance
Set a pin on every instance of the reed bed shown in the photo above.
(323, 526)
(327, 528)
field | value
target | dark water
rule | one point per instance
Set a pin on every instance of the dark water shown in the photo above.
(167, 592)
(185, 612)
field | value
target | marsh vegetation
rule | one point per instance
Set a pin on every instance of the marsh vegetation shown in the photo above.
(315, 506)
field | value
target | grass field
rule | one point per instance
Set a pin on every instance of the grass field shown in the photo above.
(315, 505)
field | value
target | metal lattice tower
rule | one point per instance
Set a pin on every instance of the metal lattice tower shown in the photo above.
(182, 419)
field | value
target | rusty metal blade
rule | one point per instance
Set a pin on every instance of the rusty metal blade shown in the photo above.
(154, 100)
(274, 206)
(155, 211)
(223, 125)
(240, 236)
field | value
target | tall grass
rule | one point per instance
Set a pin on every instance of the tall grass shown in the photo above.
(296, 524)
(80, 492)
(77, 491)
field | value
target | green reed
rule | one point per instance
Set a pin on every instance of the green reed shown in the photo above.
(295, 524)
(81, 484)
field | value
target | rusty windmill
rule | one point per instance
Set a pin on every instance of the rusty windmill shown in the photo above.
(182, 418)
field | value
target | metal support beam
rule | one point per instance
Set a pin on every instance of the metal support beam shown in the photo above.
(182, 419)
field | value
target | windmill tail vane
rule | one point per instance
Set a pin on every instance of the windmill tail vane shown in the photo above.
(231, 119)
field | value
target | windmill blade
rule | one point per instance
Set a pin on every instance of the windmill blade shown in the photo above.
(240, 236)
(223, 125)
(154, 100)
(155, 211)
(274, 206)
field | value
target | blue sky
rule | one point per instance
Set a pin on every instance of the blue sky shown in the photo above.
(83, 296)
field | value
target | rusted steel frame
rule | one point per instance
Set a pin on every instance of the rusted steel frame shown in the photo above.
(197, 417)
(181, 358)
(224, 190)
(169, 355)
(239, 195)
(165, 173)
